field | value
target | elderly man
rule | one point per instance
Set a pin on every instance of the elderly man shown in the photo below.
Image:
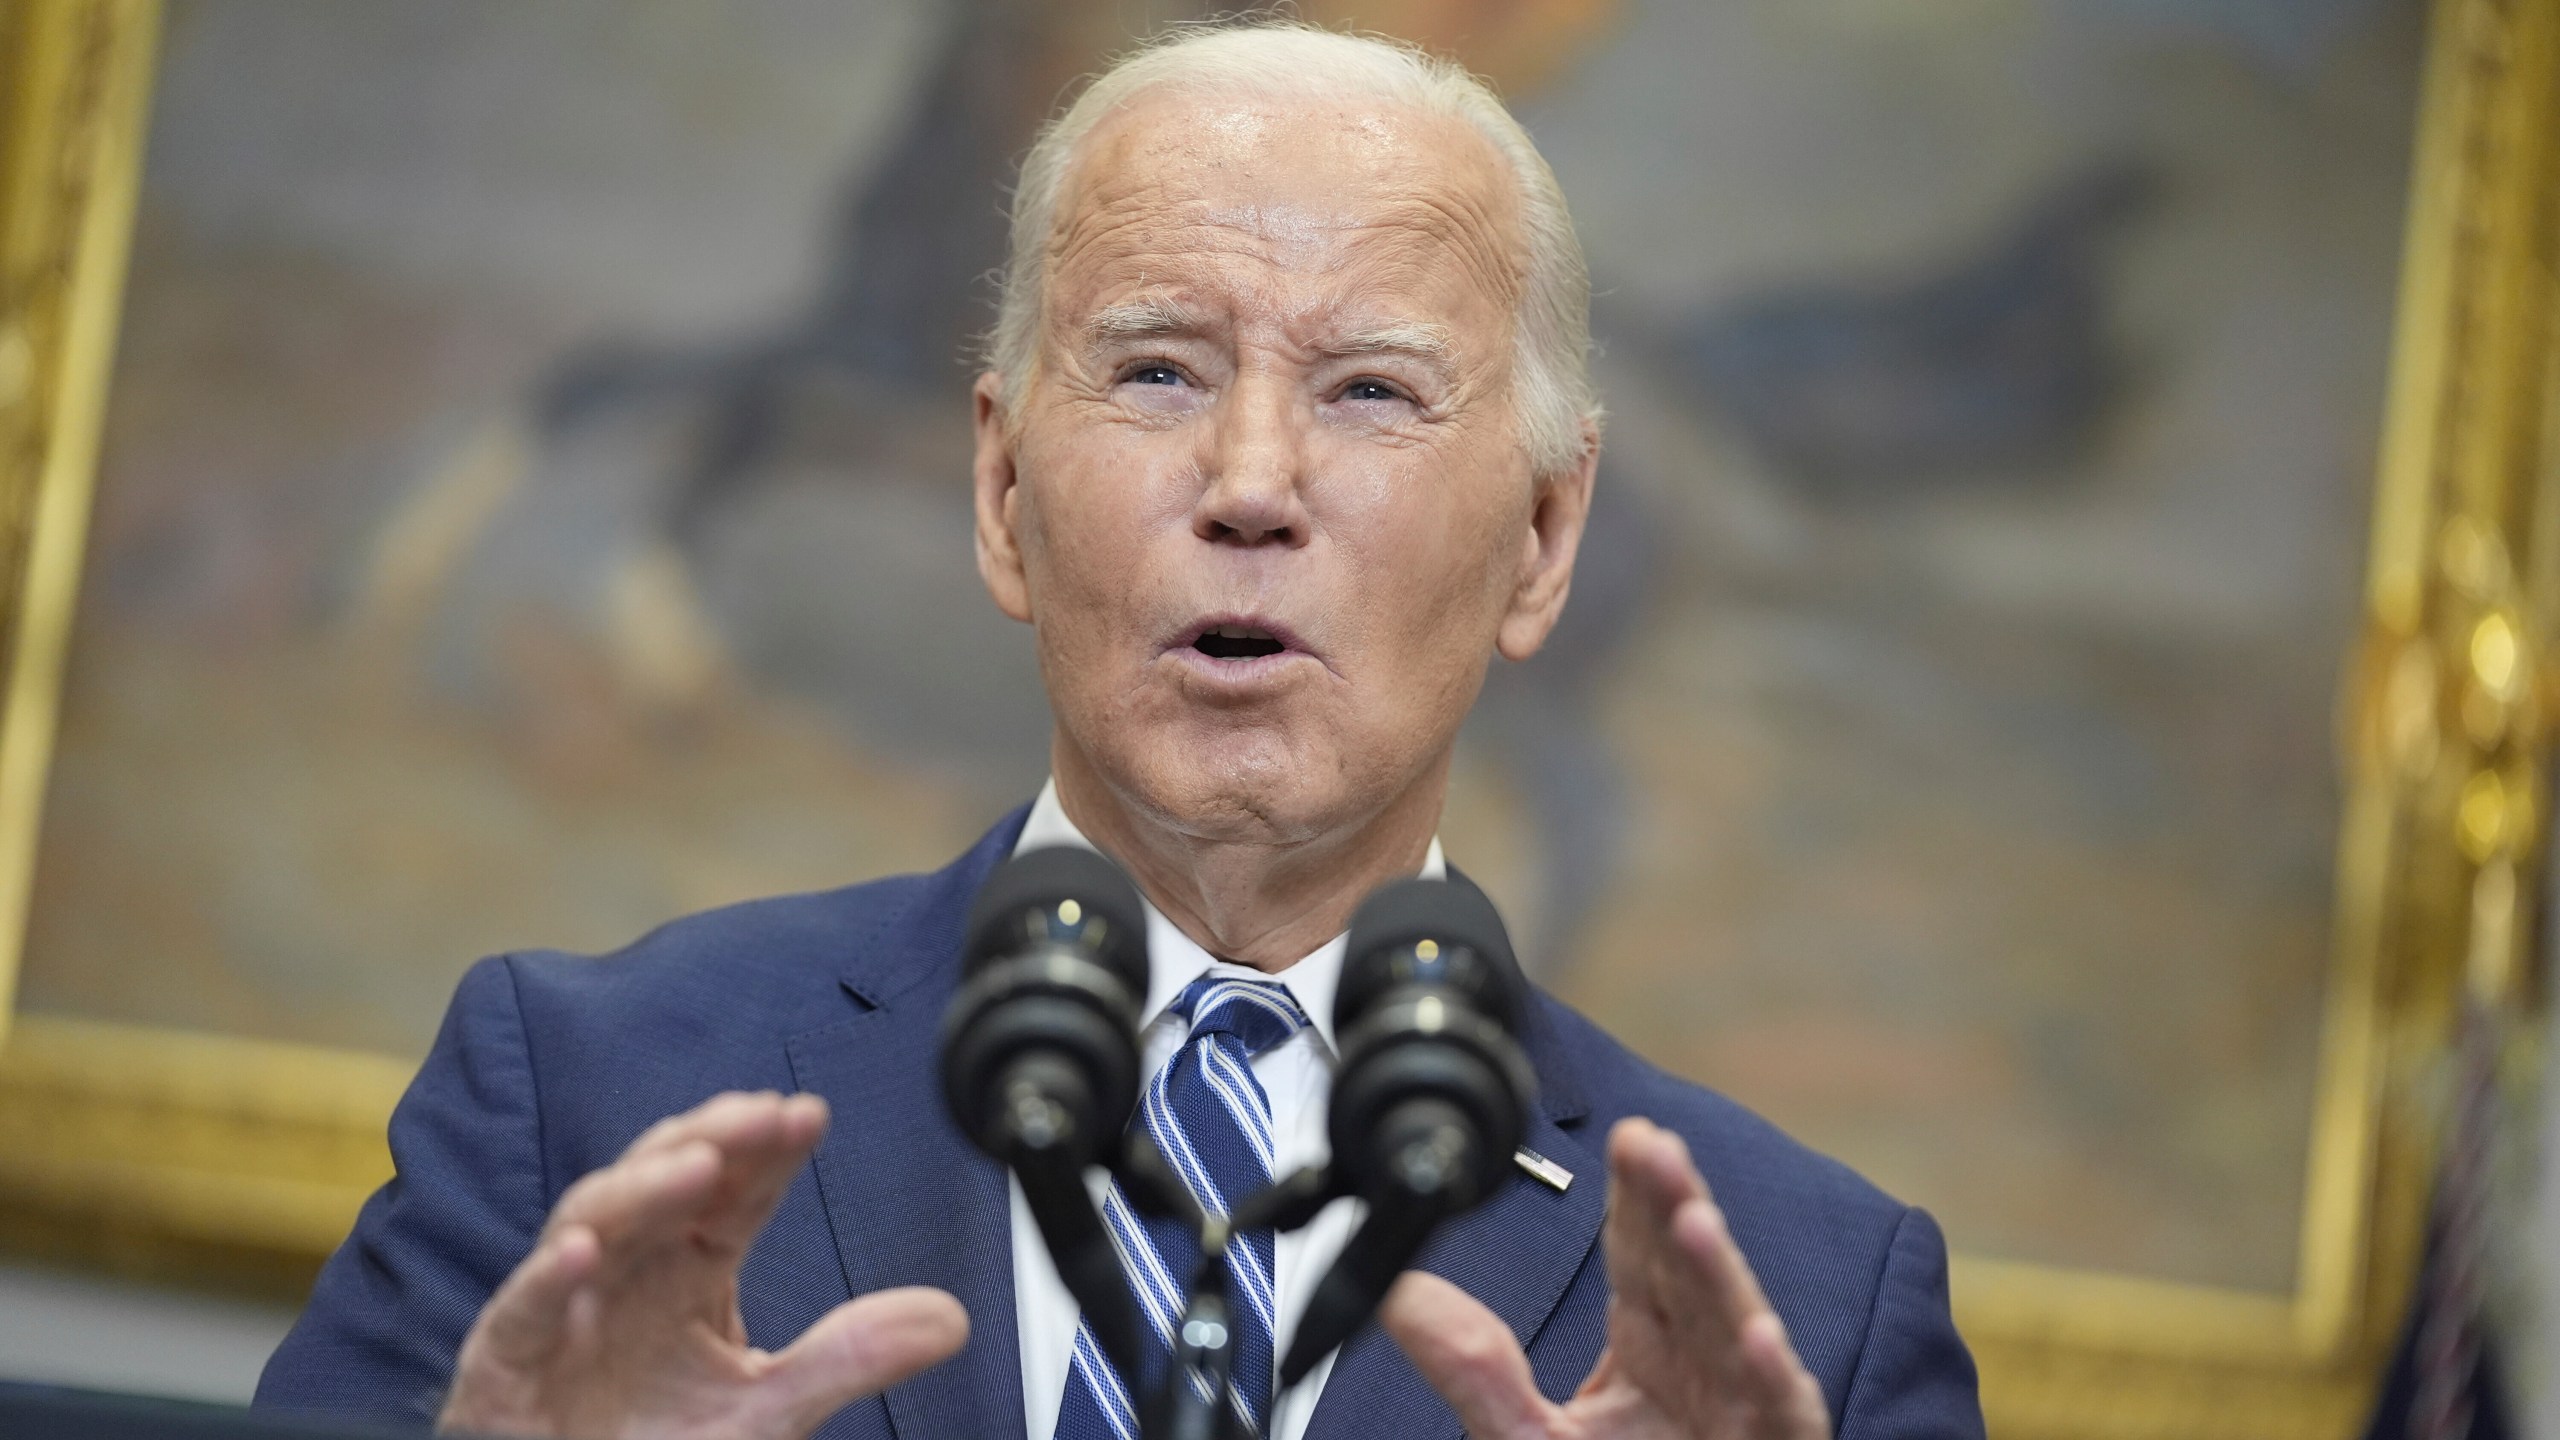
(1288, 430)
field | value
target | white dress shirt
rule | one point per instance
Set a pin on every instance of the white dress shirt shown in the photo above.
(1296, 1074)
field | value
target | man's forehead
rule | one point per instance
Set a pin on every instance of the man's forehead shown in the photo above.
(1206, 192)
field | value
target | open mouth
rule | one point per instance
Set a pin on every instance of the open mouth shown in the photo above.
(1237, 642)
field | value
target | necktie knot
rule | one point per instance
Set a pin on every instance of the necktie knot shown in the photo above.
(1258, 1013)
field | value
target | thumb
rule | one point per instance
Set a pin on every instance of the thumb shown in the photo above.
(861, 1348)
(1468, 1355)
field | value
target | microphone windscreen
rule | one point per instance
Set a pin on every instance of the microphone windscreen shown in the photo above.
(1474, 950)
(1026, 901)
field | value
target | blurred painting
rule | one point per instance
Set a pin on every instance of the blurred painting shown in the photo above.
(535, 505)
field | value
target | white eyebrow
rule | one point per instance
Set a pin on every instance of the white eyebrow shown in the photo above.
(1144, 320)
(1419, 339)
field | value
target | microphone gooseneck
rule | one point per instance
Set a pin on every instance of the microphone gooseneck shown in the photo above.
(1433, 1093)
(1040, 1062)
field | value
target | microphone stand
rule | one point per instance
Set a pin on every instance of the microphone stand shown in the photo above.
(1194, 1400)
(1193, 1404)
(1041, 1148)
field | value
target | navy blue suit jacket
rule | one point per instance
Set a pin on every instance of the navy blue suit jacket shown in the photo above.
(548, 1065)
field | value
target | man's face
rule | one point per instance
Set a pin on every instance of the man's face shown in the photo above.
(1266, 501)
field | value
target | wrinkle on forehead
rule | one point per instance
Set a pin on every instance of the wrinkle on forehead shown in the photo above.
(1382, 196)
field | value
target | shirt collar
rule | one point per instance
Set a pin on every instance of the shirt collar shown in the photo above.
(1175, 960)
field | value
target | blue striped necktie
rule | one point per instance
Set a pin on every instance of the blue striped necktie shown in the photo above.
(1208, 1114)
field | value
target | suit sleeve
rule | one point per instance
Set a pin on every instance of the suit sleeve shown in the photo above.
(463, 1207)
(1914, 1378)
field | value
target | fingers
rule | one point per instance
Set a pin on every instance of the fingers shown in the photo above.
(1698, 1331)
(713, 1174)
(863, 1347)
(643, 1198)
(1646, 1189)
(528, 1317)
(1791, 1403)
(756, 1168)
(1468, 1355)
(1668, 1246)
(732, 1119)
(1763, 1371)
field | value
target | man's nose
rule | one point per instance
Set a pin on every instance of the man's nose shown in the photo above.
(1254, 467)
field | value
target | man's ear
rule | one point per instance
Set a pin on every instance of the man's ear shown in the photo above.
(1546, 560)
(996, 496)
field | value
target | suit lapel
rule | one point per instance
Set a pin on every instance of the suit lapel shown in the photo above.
(909, 1201)
(1517, 1253)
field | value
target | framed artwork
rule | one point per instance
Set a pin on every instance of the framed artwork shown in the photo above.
(2052, 711)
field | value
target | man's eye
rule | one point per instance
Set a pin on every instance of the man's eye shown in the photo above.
(1153, 375)
(1370, 390)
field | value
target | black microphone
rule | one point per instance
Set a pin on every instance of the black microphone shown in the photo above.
(1433, 1093)
(1040, 1054)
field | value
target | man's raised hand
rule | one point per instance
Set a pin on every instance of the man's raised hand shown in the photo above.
(1695, 1352)
(624, 1322)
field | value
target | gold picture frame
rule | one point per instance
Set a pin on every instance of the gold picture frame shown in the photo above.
(194, 1154)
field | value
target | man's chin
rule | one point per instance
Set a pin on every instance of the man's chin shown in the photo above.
(1224, 811)
(1233, 794)
(1287, 774)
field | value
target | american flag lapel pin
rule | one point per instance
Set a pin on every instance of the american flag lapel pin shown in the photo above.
(1543, 1170)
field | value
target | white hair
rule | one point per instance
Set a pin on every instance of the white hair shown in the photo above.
(1275, 58)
